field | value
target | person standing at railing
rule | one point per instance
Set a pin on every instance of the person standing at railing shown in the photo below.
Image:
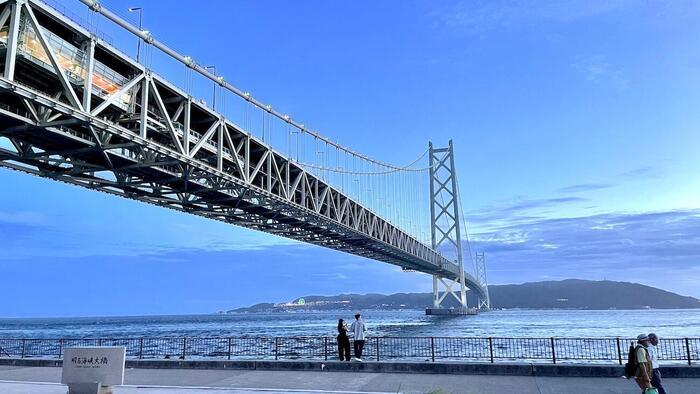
(358, 331)
(654, 356)
(343, 341)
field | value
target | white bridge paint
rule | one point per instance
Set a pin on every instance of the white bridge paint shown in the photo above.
(166, 149)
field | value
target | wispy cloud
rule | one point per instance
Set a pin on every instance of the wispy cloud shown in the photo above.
(27, 236)
(23, 218)
(584, 187)
(481, 17)
(541, 203)
(597, 69)
(640, 173)
(195, 281)
(646, 172)
(522, 210)
(18, 229)
(614, 245)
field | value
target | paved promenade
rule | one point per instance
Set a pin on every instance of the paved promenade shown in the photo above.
(316, 381)
(55, 388)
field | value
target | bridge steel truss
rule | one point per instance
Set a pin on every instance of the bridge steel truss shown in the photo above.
(446, 231)
(147, 140)
(480, 263)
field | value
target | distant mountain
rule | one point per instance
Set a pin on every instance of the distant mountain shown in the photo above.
(586, 294)
(565, 294)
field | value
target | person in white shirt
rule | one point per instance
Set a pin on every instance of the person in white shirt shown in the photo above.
(653, 354)
(358, 330)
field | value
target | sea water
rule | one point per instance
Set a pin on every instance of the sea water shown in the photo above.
(404, 323)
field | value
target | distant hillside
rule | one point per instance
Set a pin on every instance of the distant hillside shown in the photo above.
(565, 294)
(586, 294)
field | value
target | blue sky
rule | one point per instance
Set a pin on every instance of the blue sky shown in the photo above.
(575, 126)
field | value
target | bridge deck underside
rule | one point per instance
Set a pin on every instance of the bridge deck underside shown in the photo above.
(54, 153)
(147, 140)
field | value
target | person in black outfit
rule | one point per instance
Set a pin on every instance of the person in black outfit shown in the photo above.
(343, 341)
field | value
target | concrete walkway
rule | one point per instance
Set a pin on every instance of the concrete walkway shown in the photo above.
(56, 388)
(351, 381)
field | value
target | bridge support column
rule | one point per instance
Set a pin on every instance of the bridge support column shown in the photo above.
(447, 289)
(436, 293)
(446, 234)
(484, 301)
(12, 11)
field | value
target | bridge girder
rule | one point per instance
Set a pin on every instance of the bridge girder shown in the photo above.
(150, 141)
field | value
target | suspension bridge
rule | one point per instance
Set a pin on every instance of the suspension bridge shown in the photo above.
(75, 108)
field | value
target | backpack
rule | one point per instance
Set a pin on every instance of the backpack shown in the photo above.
(632, 364)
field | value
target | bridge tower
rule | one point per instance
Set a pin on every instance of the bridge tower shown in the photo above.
(446, 232)
(484, 302)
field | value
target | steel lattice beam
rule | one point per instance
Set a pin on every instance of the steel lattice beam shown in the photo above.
(445, 220)
(149, 141)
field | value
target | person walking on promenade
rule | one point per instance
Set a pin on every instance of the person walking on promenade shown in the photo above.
(358, 330)
(644, 371)
(654, 356)
(343, 341)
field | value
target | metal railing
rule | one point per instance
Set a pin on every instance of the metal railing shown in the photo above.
(84, 23)
(492, 349)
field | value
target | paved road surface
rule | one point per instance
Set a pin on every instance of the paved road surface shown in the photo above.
(350, 381)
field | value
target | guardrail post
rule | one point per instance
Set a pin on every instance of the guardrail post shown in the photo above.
(99, 342)
(554, 355)
(43, 347)
(377, 343)
(276, 348)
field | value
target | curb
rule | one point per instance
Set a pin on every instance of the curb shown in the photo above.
(446, 368)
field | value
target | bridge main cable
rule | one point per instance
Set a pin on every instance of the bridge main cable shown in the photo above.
(188, 61)
(235, 177)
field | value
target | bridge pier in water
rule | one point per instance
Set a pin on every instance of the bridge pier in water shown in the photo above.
(451, 311)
